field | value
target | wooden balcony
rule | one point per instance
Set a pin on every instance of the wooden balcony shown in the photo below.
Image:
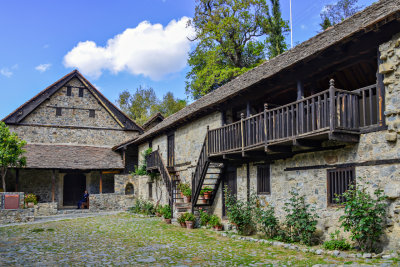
(333, 114)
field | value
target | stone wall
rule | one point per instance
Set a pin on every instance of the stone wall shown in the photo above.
(46, 209)
(111, 201)
(16, 216)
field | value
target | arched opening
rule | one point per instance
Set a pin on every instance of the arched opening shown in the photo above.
(129, 190)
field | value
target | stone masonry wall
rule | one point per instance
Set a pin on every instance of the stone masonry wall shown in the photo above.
(16, 216)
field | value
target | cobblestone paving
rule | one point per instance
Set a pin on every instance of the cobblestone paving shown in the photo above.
(123, 239)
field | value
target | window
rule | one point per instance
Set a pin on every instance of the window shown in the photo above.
(263, 180)
(69, 91)
(58, 112)
(80, 92)
(151, 144)
(129, 189)
(339, 180)
(92, 113)
(150, 190)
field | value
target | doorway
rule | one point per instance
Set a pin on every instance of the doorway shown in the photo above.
(230, 181)
(74, 186)
(171, 150)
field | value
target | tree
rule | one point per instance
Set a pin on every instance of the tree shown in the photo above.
(144, 103)
(229, 35)
(11, 152)
(333, 14)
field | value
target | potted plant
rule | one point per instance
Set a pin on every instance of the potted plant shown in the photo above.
(158, 210)
(182, 220)
(215, 222)
(190, 218)
(206, 192)
(30, 200)
(167, 214)
(204, 217)
(182, 187)
(187, 195)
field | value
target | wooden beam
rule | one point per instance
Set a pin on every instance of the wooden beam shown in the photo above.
(278, 148)
(344, 137)
(380, 92)
(101, 183)
(307, 143)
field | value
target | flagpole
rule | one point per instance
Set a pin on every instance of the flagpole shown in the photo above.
(291, 26)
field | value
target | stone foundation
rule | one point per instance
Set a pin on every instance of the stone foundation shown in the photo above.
(16, 216)
(46, 209)
(110, 202)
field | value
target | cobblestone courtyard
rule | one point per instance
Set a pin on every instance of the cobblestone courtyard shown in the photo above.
(123, 239)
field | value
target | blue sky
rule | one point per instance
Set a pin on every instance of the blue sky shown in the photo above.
(42, 40)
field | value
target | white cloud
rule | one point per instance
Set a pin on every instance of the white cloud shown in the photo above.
(149, 49)
(303, 27)
(6, 72)
(43, 67)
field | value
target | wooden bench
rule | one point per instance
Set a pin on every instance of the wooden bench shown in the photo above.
(85, 205)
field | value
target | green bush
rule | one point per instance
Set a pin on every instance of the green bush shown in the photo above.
(215, 221)
(187, 192)
(142, 169)
(336, 243)
(241, 213)
(166, 212)
(190, 217)
(268, 223)
(181, 218)
(204, 217)
(301, 219)
(364, 216)
(31, 198)
(143, 207)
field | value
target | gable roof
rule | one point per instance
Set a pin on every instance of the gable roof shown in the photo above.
(379, 13)
(24, 110)
(154, 118)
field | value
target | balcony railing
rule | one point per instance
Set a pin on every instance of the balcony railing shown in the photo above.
(330, 111)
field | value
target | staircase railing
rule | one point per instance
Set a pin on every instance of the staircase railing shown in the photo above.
(200, 171)
(154, 160)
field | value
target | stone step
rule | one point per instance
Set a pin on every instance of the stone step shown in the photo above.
(73, 211)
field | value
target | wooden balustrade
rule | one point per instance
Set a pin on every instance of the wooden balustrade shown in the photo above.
(201, 167)
(332, 110)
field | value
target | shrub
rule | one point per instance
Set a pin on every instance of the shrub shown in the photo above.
(166, 212)
(142, 169)
(301, 219)
(143, 207)
(336, 243)
(215, 221)
(183, 186)
(187, 192)
(31, 198)
(364, 216)
(269, 224)
(204, 217)
(241, 213)
(190, 217)
(181, 218)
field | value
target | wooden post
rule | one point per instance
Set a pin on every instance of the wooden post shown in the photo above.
(101, 183)
(300, 112)
(265, 123)
(53, 185)
(332, 108)
(380, 93)
(16, 179)
(241, 130)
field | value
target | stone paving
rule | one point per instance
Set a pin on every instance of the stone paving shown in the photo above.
(123, 239)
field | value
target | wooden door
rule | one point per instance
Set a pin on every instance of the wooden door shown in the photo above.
(230, 181)
(74, 187)
(171, 150)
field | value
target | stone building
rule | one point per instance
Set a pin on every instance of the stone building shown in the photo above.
(70, 129)
(315, 118)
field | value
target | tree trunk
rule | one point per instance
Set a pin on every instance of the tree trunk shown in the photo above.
(3, 178)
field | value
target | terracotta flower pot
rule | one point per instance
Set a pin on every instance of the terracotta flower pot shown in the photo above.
(168, 221)
(31, 204)
(207, 195)
(183, 225)
(203, 200)
(218, 228)
(189, 225)
(186, 199)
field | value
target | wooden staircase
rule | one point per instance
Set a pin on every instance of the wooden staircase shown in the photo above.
(207, 173)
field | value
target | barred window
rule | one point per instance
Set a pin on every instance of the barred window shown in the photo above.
(150, 190)
(58, 112)
(92, 113)
(339, 180)
(69, 91)
(80, 92)
(263, 180)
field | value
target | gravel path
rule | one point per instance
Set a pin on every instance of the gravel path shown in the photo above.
(122, 239)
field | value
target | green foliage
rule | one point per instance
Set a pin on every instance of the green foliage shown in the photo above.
(301, 219)
(166, 212)
(143, 104)
(215, 221)
(189, 217)
(241, 213)
(185, 189)
(336, 243)
(143, 207)
(204, 217)
(229, 34)
(31, 198)
(335, 13)
(205, 189)
(11, 152)
(268, 222)
(142, 169)
(364, 215)
(181, 218)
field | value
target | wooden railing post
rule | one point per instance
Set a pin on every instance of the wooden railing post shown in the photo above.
(265, 123)
(332, 107)
(207, 140)
(242, 130)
